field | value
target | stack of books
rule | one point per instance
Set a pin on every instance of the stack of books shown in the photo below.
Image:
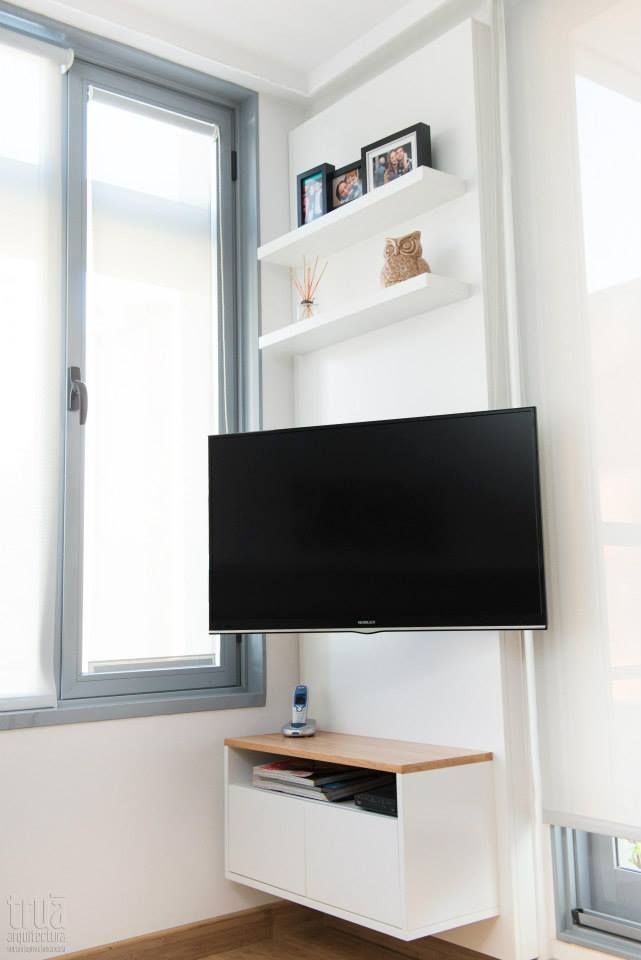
(315, 780)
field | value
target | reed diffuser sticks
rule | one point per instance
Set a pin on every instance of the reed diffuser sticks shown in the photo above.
(308, 285)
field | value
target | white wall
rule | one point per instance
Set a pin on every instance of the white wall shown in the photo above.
(277, 118)
(124, 819)
(444, 688)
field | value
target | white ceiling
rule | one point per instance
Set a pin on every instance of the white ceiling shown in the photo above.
(293, 47)
(297, 33)
(615, 34)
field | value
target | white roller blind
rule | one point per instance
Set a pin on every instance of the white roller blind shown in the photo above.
(575, 87)
(31, 347)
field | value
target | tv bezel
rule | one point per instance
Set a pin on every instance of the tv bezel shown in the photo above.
(259, 627)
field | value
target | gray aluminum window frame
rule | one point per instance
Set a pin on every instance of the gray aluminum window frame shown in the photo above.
(574, 862)
(240, 681)
(82, 76)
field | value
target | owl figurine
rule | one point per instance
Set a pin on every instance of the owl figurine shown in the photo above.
(403, 259)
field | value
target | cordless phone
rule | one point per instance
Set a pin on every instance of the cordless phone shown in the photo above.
(300, 726)
(299, 705)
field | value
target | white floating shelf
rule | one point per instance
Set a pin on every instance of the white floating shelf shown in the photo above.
(408, 299)
(409, 196)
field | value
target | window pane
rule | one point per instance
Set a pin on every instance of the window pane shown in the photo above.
(151, 368)
(614, 886)
(629, 854)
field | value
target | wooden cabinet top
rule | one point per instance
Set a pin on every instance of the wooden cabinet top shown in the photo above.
(372, 753)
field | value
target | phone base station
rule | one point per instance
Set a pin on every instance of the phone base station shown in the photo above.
(300, 729)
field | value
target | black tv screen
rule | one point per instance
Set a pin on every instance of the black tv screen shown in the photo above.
(429, 523)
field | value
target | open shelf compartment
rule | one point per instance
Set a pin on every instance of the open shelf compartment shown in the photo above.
(391, 305)
(409, 196)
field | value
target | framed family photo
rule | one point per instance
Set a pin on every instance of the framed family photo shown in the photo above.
(347, 184)
(396, 155)
(314, 193)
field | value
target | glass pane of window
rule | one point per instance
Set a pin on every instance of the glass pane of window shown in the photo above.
(611, 870)
(628, 854)
(151, 368)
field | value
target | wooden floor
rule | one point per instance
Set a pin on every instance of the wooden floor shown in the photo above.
(277, 931)
(301, 934)
(311, 942)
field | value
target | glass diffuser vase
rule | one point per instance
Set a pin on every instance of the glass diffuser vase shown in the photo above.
(306, 287)
(307, 309)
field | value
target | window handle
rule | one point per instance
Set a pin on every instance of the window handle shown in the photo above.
(77, 396)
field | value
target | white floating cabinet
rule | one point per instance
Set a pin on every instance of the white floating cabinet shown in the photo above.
(352, 861)
(407, 299)
(414, 194)
(432, 868)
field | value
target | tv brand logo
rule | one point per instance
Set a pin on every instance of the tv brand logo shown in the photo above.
(366, 623)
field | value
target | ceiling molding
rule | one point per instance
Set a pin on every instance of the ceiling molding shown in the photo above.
(409, 27)
(126, 23)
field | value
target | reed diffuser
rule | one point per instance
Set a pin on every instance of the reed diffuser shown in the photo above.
(307, 287)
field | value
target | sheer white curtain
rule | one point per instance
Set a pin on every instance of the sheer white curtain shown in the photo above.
(31, 348)
(575, 88)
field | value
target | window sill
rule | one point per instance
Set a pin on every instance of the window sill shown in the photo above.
(607, 945)
(251, 693)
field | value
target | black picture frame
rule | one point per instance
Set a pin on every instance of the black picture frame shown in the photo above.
(418, 134)
(342, 172)
(325, 172)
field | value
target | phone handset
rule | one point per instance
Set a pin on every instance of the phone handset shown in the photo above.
(299, 705)
(300, 725)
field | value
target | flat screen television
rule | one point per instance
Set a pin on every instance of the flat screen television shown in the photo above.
(428, 523)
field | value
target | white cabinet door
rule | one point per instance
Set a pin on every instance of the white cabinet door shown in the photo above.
(266, 837)
(352, 861)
